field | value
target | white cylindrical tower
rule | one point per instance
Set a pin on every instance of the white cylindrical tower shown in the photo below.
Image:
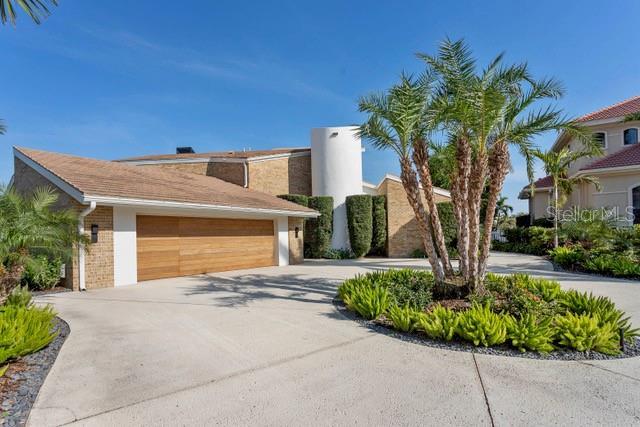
(336, 171)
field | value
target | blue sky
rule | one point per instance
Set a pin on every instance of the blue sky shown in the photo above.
(122, 78)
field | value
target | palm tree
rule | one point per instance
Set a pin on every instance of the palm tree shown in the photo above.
(503, 210)
(483, 113)
(36, 9)
(3, 128)
(556, 165)
(396, 122)
(28, 227)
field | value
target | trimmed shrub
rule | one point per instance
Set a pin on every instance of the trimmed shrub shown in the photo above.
(439, 323)
(481, 326)
(584, 332)
(542, 222)
(338, 254)
(523, 220)
(529, 333)
(42, 273)
(318, 231)
(299, 199)
(403, 318)
(359, 221)
(379, 223)
(24, 330)
(449, 224)
(568, 256)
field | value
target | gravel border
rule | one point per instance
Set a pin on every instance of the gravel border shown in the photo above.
(631, 350)
(15, 407)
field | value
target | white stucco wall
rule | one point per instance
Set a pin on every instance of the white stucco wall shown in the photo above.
(336, 169)
(282, 230)
(125, 258)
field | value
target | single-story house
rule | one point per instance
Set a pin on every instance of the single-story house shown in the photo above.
(149, 223)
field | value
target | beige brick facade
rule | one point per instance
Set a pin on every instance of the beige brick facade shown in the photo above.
(99, 257)
(296, 244)
(403, 231)
(288, 175)
(198, 168)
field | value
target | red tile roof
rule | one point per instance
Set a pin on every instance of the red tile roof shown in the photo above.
(629, 106)
(98, 178)
(219, 155)
(544, 182)
(628, 156)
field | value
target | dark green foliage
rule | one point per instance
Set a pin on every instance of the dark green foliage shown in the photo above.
(418, 253)
(530, 333)
(19, 297)
(403, 318)
(568, 256)
(379, 223)
(299, 199)
(359, 221)
(519, 294)
(530, 240)
(481, 326)
(585, 332)
(523, 220)
(24, 330)
(439, 323)
(542, 222)
(318, 231)
(370, 301)
(42, 273)
(339, 254)
(449, 224)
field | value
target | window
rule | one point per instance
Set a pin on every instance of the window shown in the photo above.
(600, 138)
(631, 136)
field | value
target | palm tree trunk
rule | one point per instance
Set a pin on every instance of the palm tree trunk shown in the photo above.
(421, 160)
(555, 213)
(459, 197)
(410, 183)
(9, 279)
(498, 165)
(477, 180)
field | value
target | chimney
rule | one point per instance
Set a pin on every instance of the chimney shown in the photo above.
(184, 150)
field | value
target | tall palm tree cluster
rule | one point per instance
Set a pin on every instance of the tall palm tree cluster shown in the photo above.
(477, 115)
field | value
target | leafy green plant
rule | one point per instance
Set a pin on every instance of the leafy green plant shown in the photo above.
(407, 286)
(530, 333)
(568, 256)
(318, 231)
(360, 223)
(379, 225)
(19, 297)
(585, 332)
(624, 266)
(42, 272)
(370, 302)
(481, 326)
(548, 290)
(338, 254)
(582, 303)
(24, 330)
(299, 199)
(602, 264)
(403, 318)
(439, 323)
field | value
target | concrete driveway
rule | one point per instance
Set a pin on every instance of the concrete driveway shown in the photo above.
(267, 347)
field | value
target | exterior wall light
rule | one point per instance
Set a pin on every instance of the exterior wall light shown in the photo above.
(297, 230)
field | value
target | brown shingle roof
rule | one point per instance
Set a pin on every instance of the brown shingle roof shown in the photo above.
(544, 182)
(629, 106)
(98, 178)
(218, 155)
(628, 156)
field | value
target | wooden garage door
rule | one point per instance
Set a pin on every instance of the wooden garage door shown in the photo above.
(176, 246)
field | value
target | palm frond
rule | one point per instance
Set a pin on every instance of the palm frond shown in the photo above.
(36, 9)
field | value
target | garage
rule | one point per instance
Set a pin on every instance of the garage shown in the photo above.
(180, 246)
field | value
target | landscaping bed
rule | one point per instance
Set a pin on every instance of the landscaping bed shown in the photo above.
(514, 315)
(21, 383)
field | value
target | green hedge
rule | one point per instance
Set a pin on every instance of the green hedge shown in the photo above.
(449, 225)
(359, 221)
(299, 199)
(379, 222)
(318, 231)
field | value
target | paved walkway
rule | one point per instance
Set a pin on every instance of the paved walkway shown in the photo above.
(266, 347)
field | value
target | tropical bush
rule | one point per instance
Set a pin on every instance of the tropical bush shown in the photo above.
(299, 199)
(439, 323)
(24, 330)
(318, 231)
(449, 226)
(403, 318)
(568, 256)
(359, 222)
(530, 333)
(379, 225)
(528, 313)
(481, 326)
(338, 254)
(42, 273)
(19, 297)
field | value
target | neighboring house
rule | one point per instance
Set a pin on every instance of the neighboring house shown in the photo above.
(173, 215)
(149, 223)
(618, 170)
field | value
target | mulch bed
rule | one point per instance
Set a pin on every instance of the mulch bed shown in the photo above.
(384, 327)
(20, 385)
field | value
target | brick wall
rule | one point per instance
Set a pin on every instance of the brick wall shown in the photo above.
(403, 231)
(296, 244)
(289, 175)
(99, 258)
(197, 168)
(230, 172)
